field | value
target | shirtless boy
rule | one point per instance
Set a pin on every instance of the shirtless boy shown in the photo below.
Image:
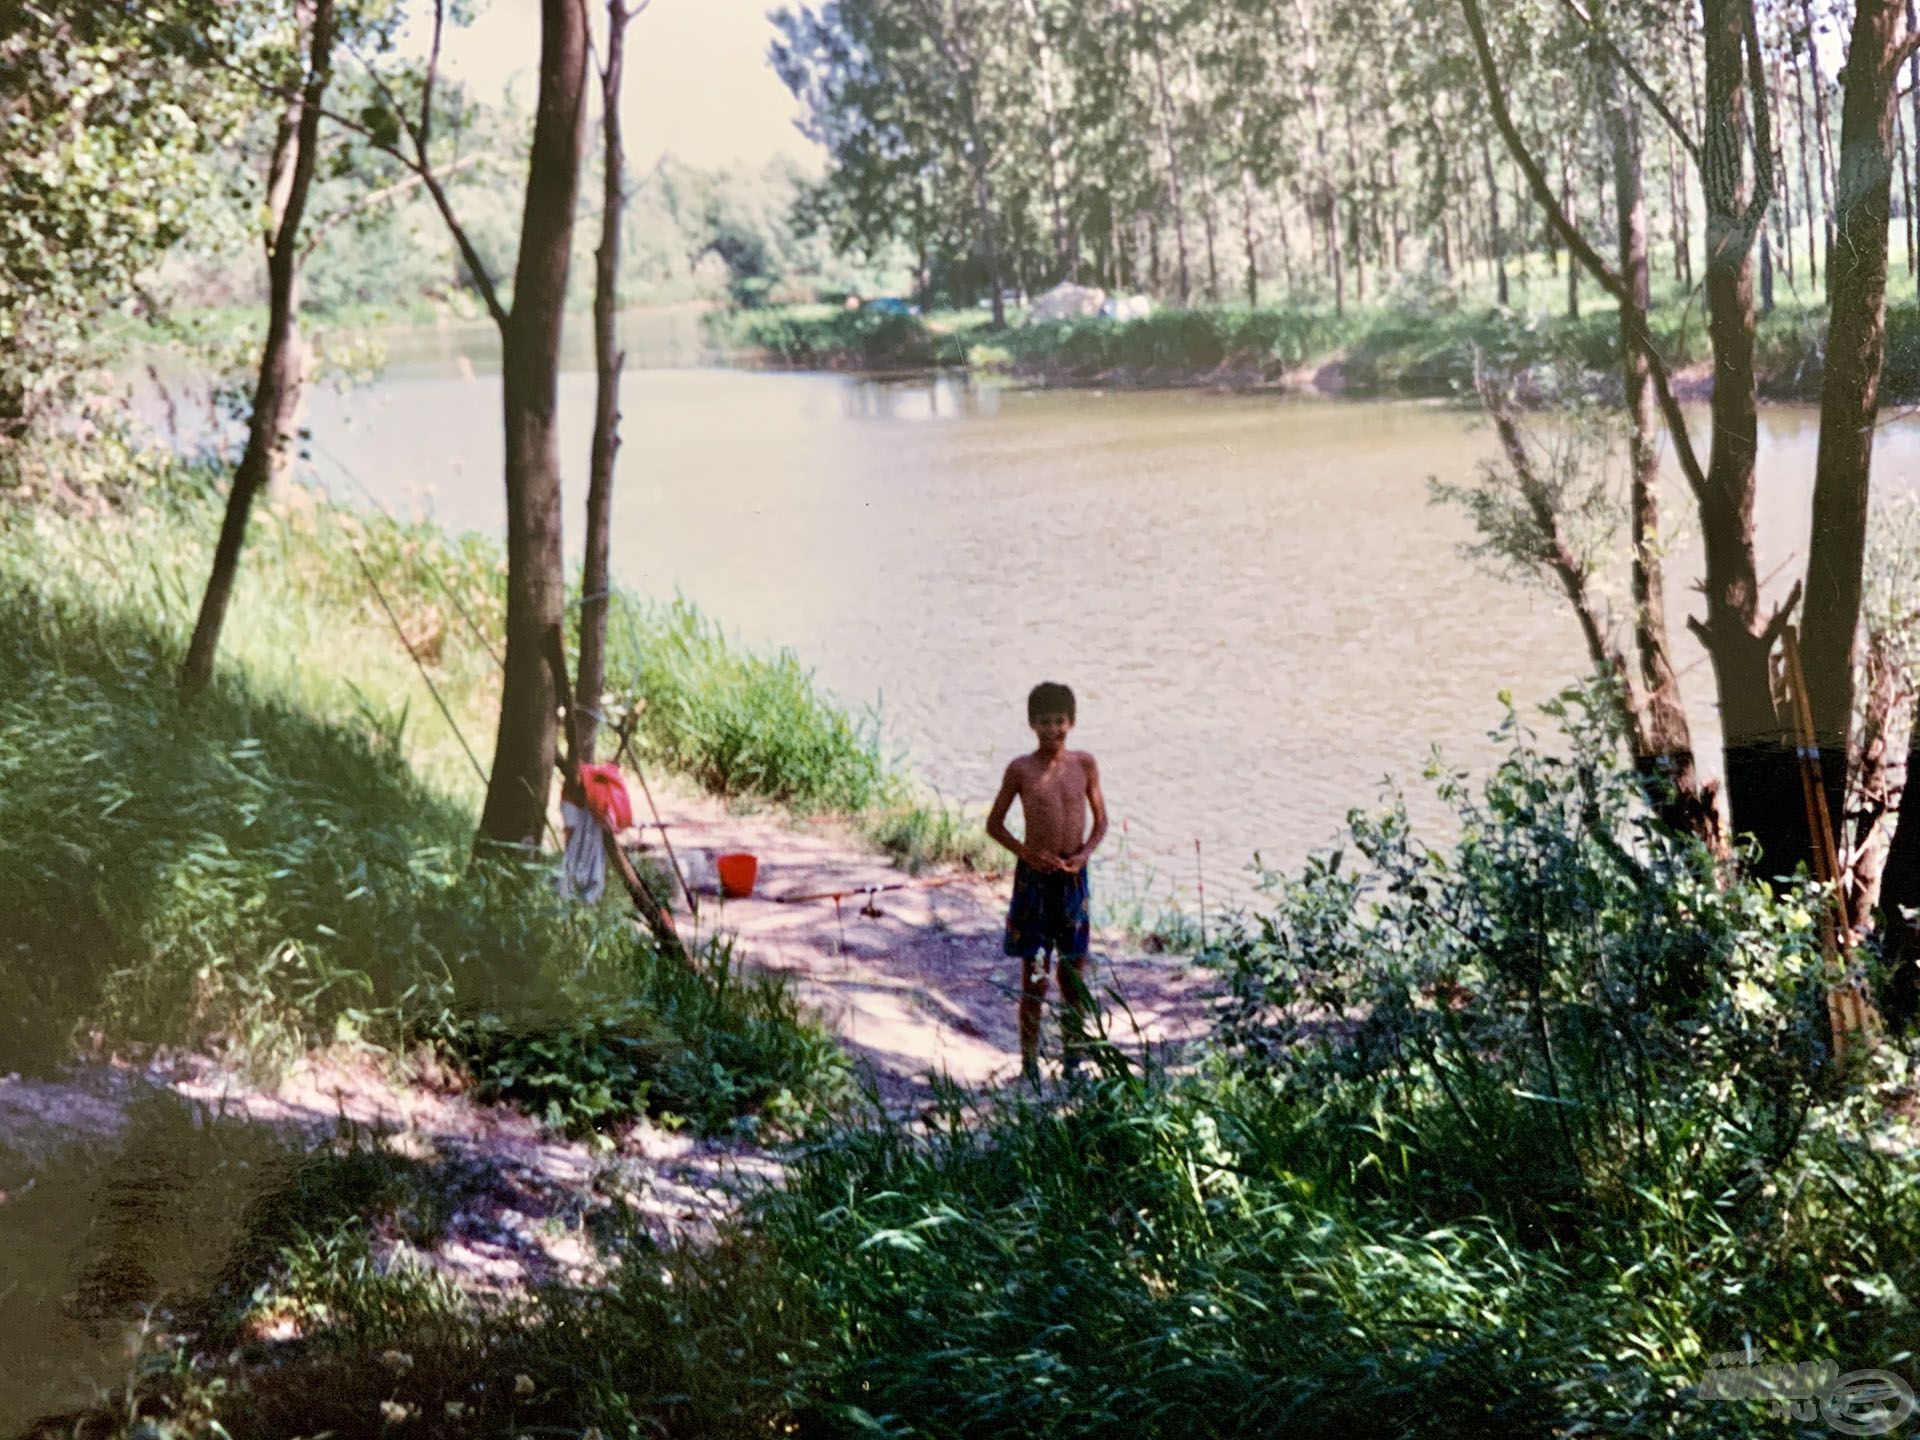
(1056, 787)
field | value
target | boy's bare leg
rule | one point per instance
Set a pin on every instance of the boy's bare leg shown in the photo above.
(1033, 994)
(1076, 1010)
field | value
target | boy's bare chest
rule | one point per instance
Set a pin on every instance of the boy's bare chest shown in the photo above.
(1054, 787)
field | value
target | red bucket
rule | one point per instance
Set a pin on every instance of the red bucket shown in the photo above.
(737, 871)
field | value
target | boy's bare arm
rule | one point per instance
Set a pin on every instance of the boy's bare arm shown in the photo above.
(1097, 802)
(997, 823)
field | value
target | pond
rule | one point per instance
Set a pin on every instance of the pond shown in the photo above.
(1262, 615)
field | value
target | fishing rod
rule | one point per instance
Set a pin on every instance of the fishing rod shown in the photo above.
(1849, 1013)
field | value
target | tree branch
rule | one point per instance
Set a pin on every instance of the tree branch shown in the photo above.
(1640, 332)
(318, 231)
(433, 67)
(1632, 72)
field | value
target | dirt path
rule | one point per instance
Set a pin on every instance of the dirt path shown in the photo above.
(913, 980)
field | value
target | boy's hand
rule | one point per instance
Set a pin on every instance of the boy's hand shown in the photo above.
(1045, 861)
(1073, 864)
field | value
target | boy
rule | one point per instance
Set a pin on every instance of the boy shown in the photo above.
(1056, 787)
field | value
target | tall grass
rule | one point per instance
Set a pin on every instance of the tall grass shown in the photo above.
(287, 862)
(756, 727)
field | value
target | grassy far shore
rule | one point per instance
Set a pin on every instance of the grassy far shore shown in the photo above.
(1416, 344)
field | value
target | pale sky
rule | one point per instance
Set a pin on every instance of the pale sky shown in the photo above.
(697, 79)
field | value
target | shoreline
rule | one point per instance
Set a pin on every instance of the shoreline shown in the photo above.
(1381, 354)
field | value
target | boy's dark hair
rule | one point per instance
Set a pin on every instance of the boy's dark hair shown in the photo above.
(1049, 698)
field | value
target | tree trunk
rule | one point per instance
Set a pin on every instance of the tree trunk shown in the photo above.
(1900, 899)
(1913, 100)
(1763, 792)
(989, 231)
(1496, 250)
(1357, 235)
(1325, 206)
(1850, 392)
(1286, 245)
(596, 578)
(1666, 756)
(1246, 227)
(1568, 203)
(1906, 180)
(276, 391)
(1766, 269)
(524, 747)
(1823, 150)
(1175, 188)
(1803, 136)
(1066, 264)
(1777, 92)
(1396, 224)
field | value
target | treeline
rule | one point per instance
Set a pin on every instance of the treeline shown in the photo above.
(1200, 150)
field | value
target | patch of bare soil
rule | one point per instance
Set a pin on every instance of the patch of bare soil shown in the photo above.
(911, 978)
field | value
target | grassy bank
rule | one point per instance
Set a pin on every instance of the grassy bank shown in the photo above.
(1421, 346)
(286, 864)
(1523, 1136)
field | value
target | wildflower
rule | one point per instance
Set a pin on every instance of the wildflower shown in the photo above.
(393, 1412)
(397, 1361)
(523, 1384)
(455, 1409)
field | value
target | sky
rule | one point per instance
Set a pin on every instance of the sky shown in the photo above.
(697, 79)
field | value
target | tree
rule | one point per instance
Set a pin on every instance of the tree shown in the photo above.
(596, 577)
(107, 118)
(277, 388)
(524, 748)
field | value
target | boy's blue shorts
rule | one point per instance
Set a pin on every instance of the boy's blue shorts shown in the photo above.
(1049, 912)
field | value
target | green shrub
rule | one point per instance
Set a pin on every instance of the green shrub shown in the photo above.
(1564, 1016)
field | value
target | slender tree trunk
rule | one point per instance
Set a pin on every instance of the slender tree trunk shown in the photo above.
(1761, 767)
(1906, 181)
(1850, 391)
(1900, 898)
(1568, 203)
(1175, 188)
(1777, 93)
(1247, 238)
(1208, 216)
(1286, 245)
(1354, 213)
(597, 576)
(1066, 264)
(524, 748)
(1823, 150)
(1325, 208)
(1766, 268)
(276, 391)
(1666, 754)
(1804, 138)
(1395, 220)
(989, 231)
(1496, 249)
(1913, 100)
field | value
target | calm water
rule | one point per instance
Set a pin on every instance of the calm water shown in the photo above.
(1260, 612)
